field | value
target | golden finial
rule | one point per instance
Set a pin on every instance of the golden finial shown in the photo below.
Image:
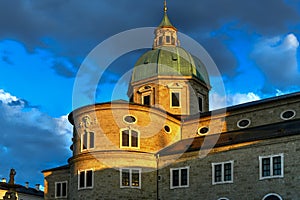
(165, 6)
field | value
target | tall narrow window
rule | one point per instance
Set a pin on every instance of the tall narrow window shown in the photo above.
(222, 172)
(61, 189)
(200, 103)
(179, 177)
(146, 100)
(88, 140)
(175, 99)
(271, 166)
(129, 138)
(130, 178)
(168, 39)
(160, 40)
(85, 179)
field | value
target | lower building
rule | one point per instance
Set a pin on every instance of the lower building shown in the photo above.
(256, 158)
(21, 192)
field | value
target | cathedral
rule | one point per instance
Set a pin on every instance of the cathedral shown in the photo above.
(166, 144)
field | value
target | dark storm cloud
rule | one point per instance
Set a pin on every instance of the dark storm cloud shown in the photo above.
(63, 70)
(76, 27)
(268, 16)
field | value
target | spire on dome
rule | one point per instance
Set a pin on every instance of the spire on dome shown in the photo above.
(165, 23)
(165, 33)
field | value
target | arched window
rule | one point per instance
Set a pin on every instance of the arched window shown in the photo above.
(87, 140)
(272, 196)
(129, 138)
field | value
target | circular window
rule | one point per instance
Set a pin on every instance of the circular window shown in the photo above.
(129, 119)
(288, 114)
(203, 130)
(167, 129)
(244, 123)
(272, 197)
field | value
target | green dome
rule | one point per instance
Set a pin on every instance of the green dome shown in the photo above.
(169, 61)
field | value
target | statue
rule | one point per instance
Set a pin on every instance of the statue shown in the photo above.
(11, 193)
(12, 176)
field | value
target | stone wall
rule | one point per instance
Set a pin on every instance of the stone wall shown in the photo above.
(246, 181)
(50, 177)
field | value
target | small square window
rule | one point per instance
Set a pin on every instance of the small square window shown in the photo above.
(179, 177)
(61, 189)
(129, 138)
(271, 166)
(130, 178)
(222, 172)
(85, 179)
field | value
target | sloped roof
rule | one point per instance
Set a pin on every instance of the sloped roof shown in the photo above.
(22, 189)
(270, 131)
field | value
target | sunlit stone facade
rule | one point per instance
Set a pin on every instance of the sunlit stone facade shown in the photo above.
(166, 144)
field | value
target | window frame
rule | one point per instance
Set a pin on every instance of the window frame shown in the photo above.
(179, 177)
(171, 98)
(271, 158)
(244, 119)
(272, 194)
(85, 179)
(289, 118)
(130, 138)
(135, 118)
(200, 103)
(231, 162)
(61, 188)
(168, 39)
(88, 140)
(130, 177)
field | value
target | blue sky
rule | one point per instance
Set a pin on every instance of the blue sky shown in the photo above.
(255, 45)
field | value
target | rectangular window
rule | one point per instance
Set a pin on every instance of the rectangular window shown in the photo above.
(271, 166)
(61, 189)
(134, 138)
(146, 100)
(130, 178)
(88, 140)
(222, 172)
(175, 99)
(168, 39)
(200, 102)
(85, 179)
(179, 177)
(125, 138)
(160, 40)
(129, 138)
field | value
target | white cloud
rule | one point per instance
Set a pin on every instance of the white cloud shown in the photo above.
(28, 133)
(217, 101)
